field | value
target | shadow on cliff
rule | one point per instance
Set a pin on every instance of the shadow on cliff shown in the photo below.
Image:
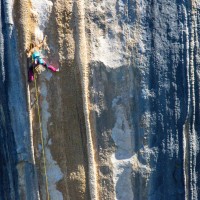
(8, 152)
(114, 95)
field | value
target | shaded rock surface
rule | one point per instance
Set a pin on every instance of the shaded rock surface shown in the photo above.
(121, 118)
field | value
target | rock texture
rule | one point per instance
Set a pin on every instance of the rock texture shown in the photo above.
(121, 118)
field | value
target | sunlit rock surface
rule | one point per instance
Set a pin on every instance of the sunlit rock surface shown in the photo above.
(121, 118)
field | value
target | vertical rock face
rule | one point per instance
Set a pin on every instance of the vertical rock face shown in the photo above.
(144, 91)
(121, 118)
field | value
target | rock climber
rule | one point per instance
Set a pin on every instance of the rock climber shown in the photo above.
(34, 51)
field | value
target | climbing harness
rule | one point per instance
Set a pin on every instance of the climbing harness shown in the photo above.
(42, 140)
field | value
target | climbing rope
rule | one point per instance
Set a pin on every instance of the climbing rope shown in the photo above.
(42, 140)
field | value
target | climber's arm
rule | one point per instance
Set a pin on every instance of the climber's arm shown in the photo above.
(42, 43)
(30, 52)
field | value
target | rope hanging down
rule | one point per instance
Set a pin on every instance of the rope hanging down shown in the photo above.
(42, 140)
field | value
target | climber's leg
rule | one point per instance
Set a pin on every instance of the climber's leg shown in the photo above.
(30, 74)
(42, 62)
(53, 69)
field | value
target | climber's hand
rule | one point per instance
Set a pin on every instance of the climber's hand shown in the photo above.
(28, 53)
(45, 39)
